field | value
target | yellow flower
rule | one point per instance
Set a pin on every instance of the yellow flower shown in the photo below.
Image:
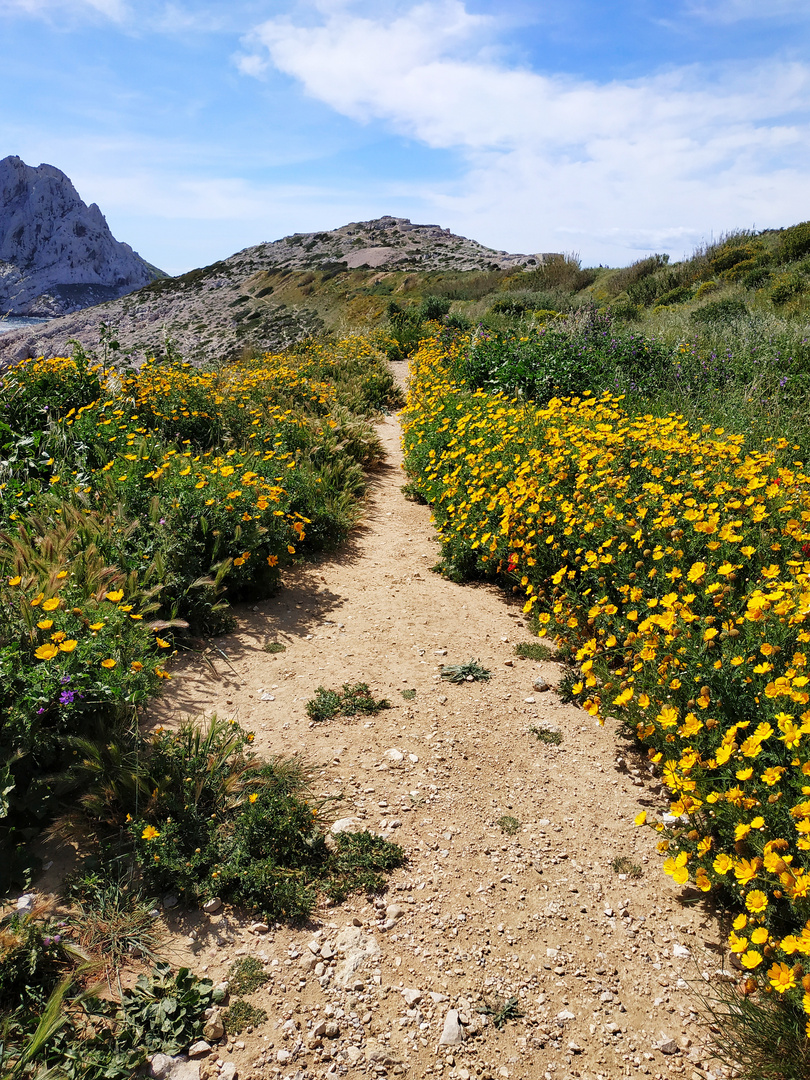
(46, 652)
(163, 644)
(756, 901)
(115, 596)
(45, 624)
(253, 797)
(722, 864)
(751, 959)
(108, 663)
(149, 833)
(68, 646)
(97, 626)
(52, 604)
(14, 580)
(136, 665)
(291, 549)
(781, 978)
(641, 818)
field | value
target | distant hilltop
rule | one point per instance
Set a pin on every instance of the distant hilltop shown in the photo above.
(391, 243)
(57, 255)
(268, 296)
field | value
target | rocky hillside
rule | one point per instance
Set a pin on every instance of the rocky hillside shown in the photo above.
(268, 296)
(57, 255)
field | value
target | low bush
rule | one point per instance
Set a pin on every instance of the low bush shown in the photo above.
(203, 816)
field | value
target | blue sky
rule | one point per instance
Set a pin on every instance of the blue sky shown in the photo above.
(607, 128)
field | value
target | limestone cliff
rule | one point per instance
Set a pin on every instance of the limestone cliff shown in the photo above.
(57, 255)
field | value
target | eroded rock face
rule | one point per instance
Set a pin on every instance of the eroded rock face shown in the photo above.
(57, 255)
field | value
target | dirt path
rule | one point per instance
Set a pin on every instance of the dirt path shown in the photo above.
(594, 957)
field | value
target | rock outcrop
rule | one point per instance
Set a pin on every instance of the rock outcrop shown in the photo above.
(57, 255)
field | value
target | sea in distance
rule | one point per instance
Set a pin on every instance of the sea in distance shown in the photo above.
(17, 322)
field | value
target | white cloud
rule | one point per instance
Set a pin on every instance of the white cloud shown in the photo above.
(653, 162)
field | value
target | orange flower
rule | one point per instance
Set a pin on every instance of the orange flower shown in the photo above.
(108, 663)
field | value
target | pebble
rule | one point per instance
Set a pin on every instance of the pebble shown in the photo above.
(212, 906)
(283, 1056)
(170, 901)
(199, 1049)
(159, 1066)
(394, 755)
(228, 1071)
(25, 903)
(452, 1035)
(259, 928)
(540, 685)
(394, 911)
(667, 1045)
(412, 996)
(214, 1028)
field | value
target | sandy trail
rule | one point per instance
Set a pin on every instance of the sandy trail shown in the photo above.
(595, 958)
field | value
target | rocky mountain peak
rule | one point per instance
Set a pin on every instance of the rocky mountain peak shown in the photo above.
(57, 254)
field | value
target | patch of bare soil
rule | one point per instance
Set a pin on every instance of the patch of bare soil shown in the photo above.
(596, 960)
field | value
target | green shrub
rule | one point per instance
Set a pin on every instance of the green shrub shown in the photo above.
(794, 243)
(246, 975)
(242, 1014)
(349, 701)
(788, 285)
(719, 311)
(217, 820)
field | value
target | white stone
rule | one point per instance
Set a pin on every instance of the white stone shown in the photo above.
(212, 906)
(358, 950)
(412, 997)
(346, 824)
(199, 1049)
(452, 1033)
(159, 1066)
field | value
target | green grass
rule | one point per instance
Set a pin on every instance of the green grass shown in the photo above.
(508, 824)
(274, 647)
(623, 865)
(546, 735)
(534, 650)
